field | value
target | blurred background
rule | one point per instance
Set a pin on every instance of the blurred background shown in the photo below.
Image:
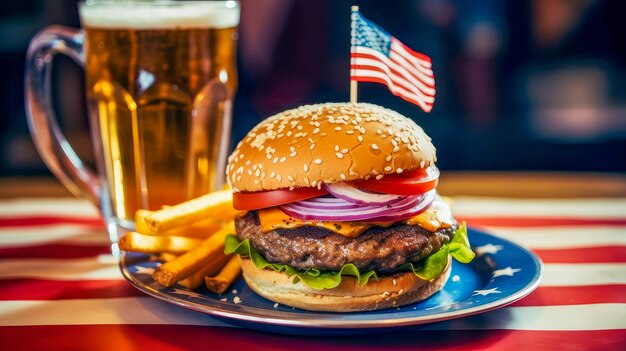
(521, 85)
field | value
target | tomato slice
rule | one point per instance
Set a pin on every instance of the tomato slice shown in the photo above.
(270, 198)
(402, 185)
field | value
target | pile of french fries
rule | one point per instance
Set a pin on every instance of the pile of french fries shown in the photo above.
(189, 239)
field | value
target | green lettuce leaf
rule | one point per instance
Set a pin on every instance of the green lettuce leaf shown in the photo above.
(312, 277)
(428, 268)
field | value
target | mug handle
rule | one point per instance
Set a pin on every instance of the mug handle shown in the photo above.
(52, 145)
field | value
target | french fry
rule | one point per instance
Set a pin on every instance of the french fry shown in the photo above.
(137, 242)
(169, 273)
(225, 278)
(167, 257)
(214, 205)
(140, 221)
(212, 268)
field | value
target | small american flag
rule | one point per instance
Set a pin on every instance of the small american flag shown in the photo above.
(378, 57)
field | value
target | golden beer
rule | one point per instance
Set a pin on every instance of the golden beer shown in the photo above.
(160, 89)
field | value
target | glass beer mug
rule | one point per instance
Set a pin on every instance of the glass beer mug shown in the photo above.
(160, 82)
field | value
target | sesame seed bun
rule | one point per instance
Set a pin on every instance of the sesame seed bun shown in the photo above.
(397, 290)
(327, 143)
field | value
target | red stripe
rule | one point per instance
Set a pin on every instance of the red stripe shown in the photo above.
(427, 107)
(53, 251)
(358, 55)
(30, 221)
(178, 337)
(412, 52)
(41, 289)
(599, 254)
(574, 295)
(538, 221)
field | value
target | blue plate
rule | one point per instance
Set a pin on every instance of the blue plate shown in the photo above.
(502, 273)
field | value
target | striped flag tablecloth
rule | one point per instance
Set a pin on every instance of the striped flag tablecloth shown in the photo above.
(59, 288)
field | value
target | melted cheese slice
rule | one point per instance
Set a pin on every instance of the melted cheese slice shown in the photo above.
(437, 216)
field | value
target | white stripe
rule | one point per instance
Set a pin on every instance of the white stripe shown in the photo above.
(400, 49)
(582, 274)
(574, 208)
(129, 310)
(105, 267)
(48, 206)
(394, 88)
(144, 310)
(395, 77)
(562, 237)
(101, 267)
(417, 80)
(38, 235)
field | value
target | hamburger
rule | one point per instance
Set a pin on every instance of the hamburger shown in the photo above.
(341, 210)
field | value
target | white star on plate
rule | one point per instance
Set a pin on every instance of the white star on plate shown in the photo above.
(185, 292)
(487, 249)
(144, 270)
(505, 271)
(486, 292)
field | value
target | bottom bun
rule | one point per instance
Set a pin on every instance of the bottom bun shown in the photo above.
(397, 290)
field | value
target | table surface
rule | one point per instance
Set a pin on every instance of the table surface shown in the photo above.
(59, 289)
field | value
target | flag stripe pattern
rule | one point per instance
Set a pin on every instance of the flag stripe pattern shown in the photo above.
(378, 57)
(59, 288)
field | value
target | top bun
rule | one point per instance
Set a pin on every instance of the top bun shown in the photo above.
(327, 143)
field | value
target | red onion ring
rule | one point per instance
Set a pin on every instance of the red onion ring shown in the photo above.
(343, 211)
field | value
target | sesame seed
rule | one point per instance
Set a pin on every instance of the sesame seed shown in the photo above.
(292, 149)
(323, 134)
(342, 176)
(306, 180)
(379, 177)
(339, 155)
(256, 181)
(238, 178)
(388, 169)
(279, 178)
(375, 147)
(350, 132)
(249, 172)
(305, 167)
(344, 151)
(283, 159)
(289, 133)
(237, 300)
(257, 173)
(269, 157)
(396, 149)
(379, 132)
(422, 164)
(312, 147)
(262, 175)
(399, 170)
(272, 175)
(275, 160)
(316, 130)
(290, 178)
(314, 183)
(299, 127)
(394, 281)
(336, 147)
(293, 154)
(338, 129)
(388, 159)
(317, 161)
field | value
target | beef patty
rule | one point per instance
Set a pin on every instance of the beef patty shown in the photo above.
(378, 248)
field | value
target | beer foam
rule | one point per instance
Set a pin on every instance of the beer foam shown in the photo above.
(170, 15)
